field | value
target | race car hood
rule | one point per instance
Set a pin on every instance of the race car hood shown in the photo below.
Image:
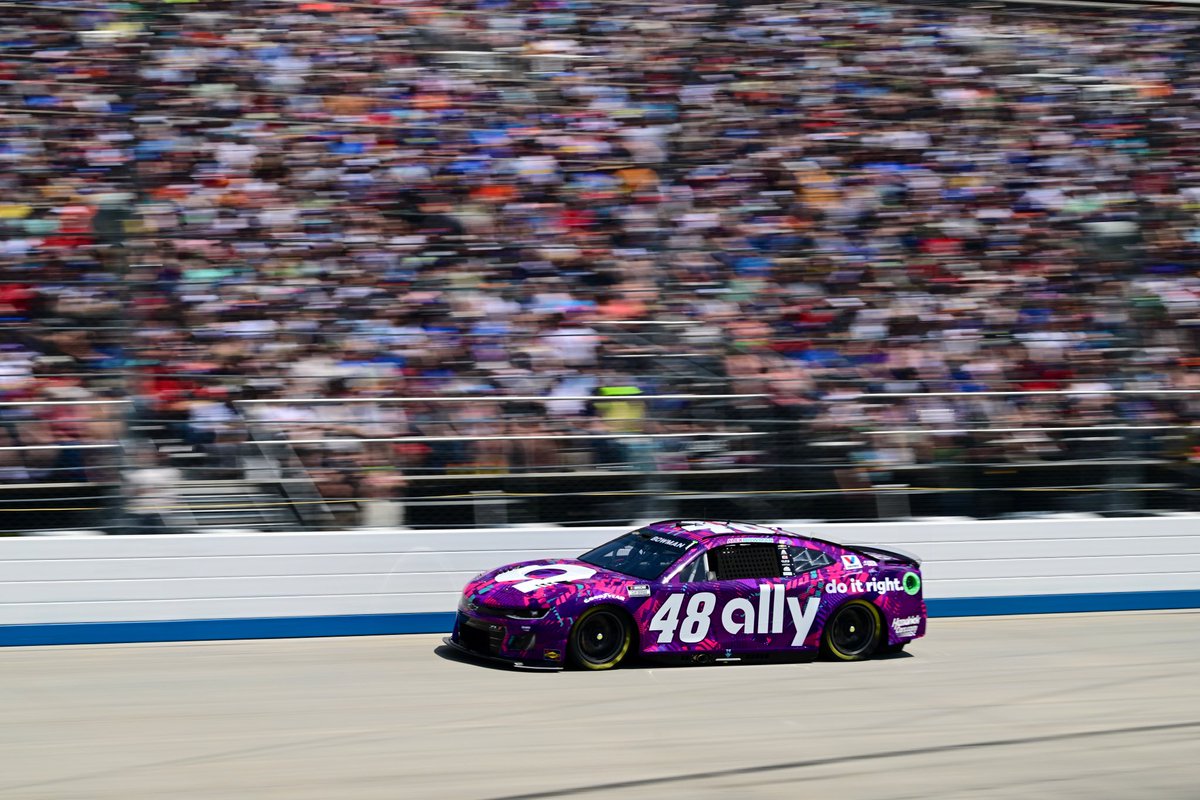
(542, 584)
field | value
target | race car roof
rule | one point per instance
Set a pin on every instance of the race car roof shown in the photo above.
(699, 530)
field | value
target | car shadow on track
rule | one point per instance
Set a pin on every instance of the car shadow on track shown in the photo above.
(451, 654)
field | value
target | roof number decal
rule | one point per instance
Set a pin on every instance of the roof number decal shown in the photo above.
(566, 574)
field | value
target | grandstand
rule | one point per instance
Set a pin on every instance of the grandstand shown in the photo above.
(282, 265)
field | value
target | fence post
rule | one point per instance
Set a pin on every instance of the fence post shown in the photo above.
(490, 512)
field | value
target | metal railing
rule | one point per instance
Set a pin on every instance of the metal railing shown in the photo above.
(799, 468)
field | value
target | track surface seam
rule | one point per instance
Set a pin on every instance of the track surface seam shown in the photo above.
(822, 762)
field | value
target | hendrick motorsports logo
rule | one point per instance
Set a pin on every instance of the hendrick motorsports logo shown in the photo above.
(906, 627)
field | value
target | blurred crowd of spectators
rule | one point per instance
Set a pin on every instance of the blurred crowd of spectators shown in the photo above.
(209, 203)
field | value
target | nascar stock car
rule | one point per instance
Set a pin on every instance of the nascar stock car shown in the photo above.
(697, 592)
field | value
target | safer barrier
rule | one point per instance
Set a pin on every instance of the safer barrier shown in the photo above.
(155, 588)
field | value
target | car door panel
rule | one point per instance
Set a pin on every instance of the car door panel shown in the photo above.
(738, 615)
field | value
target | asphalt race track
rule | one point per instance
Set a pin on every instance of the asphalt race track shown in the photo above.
(1089, 706)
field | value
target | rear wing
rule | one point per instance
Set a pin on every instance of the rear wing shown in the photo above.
(884, 553)
(870, 550)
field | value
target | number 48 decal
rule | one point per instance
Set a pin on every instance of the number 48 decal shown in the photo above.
(738, 616)
(725, 527)
(696, 621)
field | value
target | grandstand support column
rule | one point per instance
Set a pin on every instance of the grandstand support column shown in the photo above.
(1124, 476)
(116, 224)
(489, 511)
(653, 502)
(134, 238)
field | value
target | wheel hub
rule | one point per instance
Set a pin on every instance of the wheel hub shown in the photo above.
(853, 631)
(600, 639)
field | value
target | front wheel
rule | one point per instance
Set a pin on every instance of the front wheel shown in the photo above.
(853, 632)
(600, 639)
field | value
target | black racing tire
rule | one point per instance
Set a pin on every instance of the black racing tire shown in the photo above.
(600, 639)
(854, 632)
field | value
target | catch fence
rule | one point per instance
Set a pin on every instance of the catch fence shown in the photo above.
(350, 461)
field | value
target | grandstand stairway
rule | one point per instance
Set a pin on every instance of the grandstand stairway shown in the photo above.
(203, 505)
(234, 489)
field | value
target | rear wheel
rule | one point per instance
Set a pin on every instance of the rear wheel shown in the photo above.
(853, 632)
(600, 639)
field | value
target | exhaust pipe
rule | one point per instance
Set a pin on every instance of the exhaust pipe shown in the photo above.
(702, 658)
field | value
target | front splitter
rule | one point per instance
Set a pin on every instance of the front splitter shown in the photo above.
(499, 660)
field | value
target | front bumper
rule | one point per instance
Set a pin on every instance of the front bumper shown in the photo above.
(532, 644)
(499, 659)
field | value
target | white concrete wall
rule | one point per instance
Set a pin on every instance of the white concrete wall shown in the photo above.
(107, 579)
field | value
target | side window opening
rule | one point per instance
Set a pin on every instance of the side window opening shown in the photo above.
(806, 559)
(695, 571)
(748, 560)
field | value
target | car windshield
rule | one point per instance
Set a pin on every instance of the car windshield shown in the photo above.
(644, 554)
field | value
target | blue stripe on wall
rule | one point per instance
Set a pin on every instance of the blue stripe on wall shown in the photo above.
(193, 630)
(200, 630)
(1062, 603)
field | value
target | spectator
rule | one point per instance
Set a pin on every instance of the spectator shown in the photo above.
(321, 202)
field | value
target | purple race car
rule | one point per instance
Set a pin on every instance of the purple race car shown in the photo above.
(699, 592)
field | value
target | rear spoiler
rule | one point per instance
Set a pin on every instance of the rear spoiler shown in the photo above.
(889, 553)
(885, 553)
